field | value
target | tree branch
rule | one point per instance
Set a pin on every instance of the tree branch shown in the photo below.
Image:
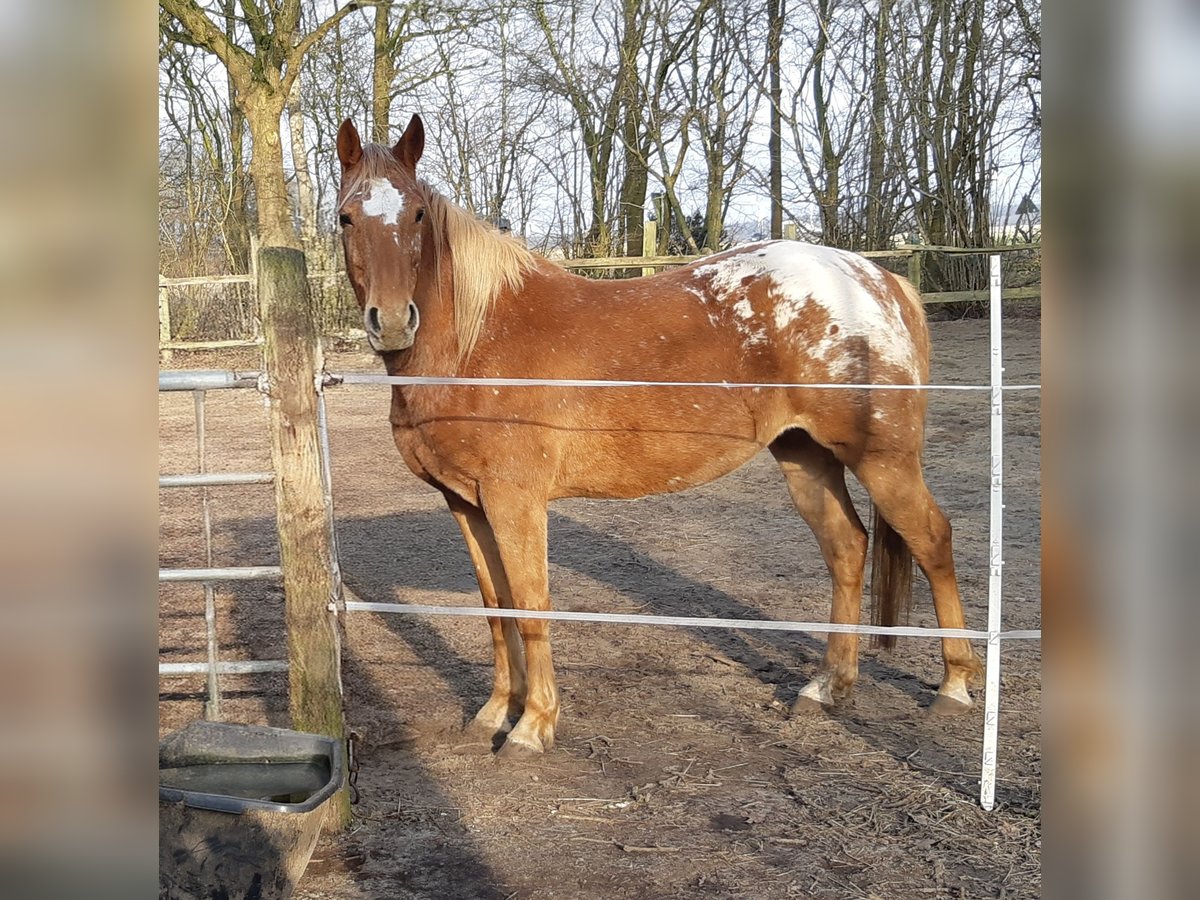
(296, 55)
(201, 32)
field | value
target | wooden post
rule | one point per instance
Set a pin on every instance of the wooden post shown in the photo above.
(258, 324)
(789, 231)
(915, 262)
(305, 537)
(164, 324)
(649, 242)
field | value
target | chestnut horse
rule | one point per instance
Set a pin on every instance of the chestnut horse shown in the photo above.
(444, 294)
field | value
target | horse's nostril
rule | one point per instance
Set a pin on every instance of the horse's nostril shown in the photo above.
(412, 316)
(373, 324)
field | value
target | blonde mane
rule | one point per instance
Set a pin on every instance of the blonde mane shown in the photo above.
(486, 262)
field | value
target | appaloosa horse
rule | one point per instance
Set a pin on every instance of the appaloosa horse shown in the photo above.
(445, 294)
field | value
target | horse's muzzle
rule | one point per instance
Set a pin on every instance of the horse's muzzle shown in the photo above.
(385, 336)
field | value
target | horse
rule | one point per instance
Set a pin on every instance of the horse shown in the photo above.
(444, 294)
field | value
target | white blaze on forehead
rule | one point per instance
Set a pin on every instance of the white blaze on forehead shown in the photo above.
(383, 201)
(852, 292)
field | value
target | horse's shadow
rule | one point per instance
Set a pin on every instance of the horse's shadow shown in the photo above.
(383, 556)
(434, 859)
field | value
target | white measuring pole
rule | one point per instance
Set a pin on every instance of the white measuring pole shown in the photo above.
(991, 697)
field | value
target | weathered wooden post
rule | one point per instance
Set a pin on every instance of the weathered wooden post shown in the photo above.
(305, 533)
(915, 262)
(662, 208)
(164, 324)
(650, 241)
(789, 231)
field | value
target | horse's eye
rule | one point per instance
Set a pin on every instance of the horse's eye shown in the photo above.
(344, 218)
(420, 214)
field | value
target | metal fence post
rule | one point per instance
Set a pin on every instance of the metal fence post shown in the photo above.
(991, 702)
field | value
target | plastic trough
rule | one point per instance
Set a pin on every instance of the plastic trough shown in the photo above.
(240, 809)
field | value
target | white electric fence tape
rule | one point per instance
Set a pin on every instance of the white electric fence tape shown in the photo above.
(447, 381)
(991, 695)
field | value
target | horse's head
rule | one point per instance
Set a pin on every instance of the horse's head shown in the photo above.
(382, 211)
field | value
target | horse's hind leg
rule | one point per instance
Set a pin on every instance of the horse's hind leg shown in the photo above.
(508, 686)
(897, 486)
(817, 482)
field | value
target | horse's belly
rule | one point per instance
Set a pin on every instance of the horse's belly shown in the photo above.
(639, 464)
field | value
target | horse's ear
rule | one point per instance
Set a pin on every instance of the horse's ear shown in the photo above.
(349, 145)
(411, 144)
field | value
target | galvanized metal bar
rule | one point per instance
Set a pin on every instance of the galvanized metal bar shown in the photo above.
(214, 479)
(991, 701)
(205, 380)
(229, 573)
(338, 600)
(212, 708)
(228, 667)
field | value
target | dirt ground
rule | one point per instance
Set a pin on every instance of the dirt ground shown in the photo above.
(678, 772)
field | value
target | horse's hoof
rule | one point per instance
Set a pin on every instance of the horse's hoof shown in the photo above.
(944, 705)
(807, 706)
(513, 751)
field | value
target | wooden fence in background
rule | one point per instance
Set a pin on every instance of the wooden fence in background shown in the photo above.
(648, 263)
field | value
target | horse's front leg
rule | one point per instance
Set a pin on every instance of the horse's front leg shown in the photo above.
(508, 685)
(518, 521)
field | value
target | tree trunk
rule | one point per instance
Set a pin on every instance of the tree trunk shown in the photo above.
(635, 182)
(383, 72)
(264, 110)
(829, 197)
(878, 221)
(775, 16)
(714, 222)
(304, 186)
(237, 217)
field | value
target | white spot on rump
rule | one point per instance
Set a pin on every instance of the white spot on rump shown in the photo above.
(788, 310)
(851, 291)
(384, 201)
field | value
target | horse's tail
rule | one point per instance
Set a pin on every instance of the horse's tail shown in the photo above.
(891, 580)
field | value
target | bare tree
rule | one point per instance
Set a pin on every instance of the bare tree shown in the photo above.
(489, 120)
(262, 59)
(200, 165)
(727, 87)
(593, 66)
